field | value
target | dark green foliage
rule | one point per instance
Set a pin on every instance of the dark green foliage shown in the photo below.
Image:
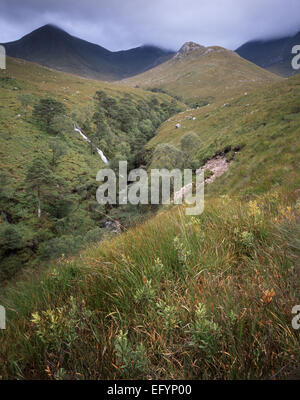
(58, 149)
(5, 191)
(199, 102)
(11, 242)
(123, 126)
(160, 90)
(167, 156)
(208, 173)
(7, 82)
(190, 143)
(57, 213)
(38, 173)
(38, 178)
(10, 238)
(56, 247)
(62, 124)
(94, 235)
(46, 110)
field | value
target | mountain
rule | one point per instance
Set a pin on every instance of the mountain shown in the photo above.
(52, 47)
(203, 74)
(176, 297)
(274, 55)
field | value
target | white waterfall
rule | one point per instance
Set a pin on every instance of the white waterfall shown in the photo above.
(100, 152)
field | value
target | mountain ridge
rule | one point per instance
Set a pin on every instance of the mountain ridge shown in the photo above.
(53, 47)
(203, 75)
(274, 55)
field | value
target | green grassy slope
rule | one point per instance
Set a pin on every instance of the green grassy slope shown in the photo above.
(266, 126)
(207, 297)
(21, 139)
(208, 74)
(179, 298)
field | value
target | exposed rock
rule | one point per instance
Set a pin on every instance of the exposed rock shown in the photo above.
(115, 226)
(187, 49)
(218, 165)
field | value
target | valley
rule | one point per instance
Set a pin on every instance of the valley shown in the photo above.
(71, 214)
(147, 292)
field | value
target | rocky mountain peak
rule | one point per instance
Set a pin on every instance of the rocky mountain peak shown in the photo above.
(188, 48)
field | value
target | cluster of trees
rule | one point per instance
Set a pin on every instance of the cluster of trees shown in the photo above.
(121, 127)
(166, 155)
(57, 216)
(46, 111)
(160, 90)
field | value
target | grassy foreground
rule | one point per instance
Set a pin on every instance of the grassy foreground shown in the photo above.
(177, 297)
(208, 297)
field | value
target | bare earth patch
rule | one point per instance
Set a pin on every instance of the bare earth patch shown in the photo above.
(218, 165)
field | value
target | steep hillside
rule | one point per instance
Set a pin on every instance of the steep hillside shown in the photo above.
(204, 75)
(70, 216)
(258, 131)
(274, 55)
(52, 47)
(178, 297)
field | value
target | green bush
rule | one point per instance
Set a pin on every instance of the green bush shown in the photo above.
(56, 247)
(94, 235)
(10, 238)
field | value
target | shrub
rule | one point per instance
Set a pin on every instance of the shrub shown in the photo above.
(205, 333)
(131, 360)
(167, 156)
(10, 237)
(56, 247)
(94, 235)
(46, 110)
(190, 143)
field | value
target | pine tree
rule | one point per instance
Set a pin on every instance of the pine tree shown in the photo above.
(46, 110)
(38, 177)
(58, 149)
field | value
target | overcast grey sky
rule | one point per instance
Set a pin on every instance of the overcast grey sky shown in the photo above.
(123, 24)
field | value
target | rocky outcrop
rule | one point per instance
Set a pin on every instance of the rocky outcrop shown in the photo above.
(187, 49)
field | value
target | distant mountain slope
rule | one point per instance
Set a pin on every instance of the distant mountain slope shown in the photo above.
(199, 73)
(52, 47)
(274, 55)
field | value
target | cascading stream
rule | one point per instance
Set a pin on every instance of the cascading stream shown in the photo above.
(100, 152)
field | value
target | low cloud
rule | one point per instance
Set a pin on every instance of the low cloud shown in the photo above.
(123, 24)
